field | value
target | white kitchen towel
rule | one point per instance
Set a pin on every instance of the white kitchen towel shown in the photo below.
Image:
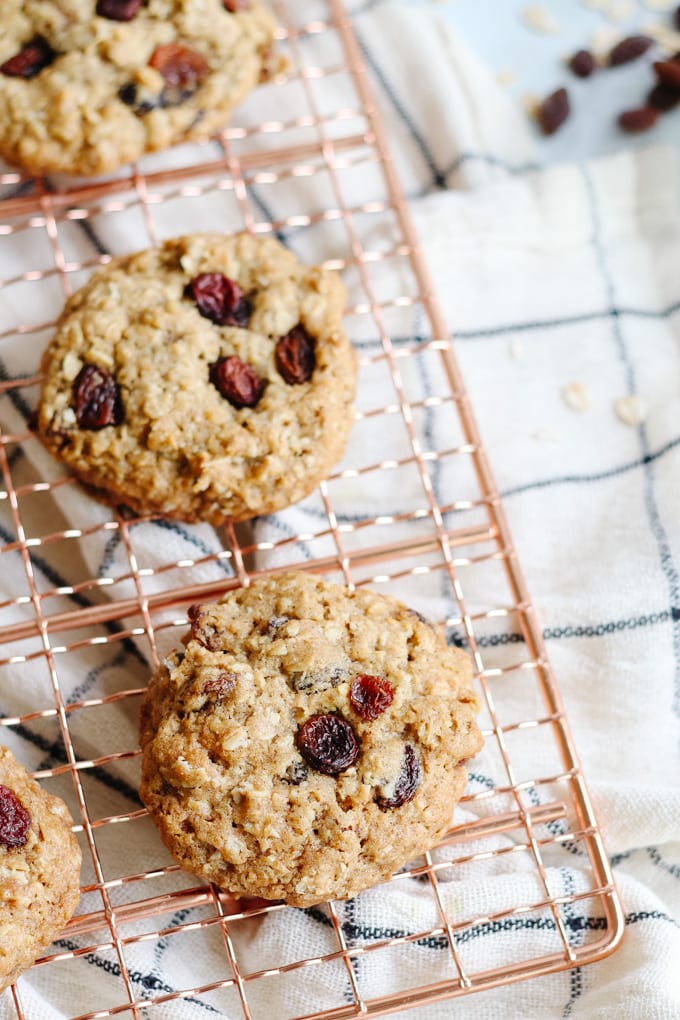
(562, 290)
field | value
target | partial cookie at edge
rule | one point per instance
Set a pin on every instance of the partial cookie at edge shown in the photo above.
(39, 869)
(84, 94)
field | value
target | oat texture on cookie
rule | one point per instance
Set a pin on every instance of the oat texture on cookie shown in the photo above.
(39, 869)
(207, 379)
(89, 85)
(307, 740)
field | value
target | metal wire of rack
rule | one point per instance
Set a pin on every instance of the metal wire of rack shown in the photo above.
(85, 610)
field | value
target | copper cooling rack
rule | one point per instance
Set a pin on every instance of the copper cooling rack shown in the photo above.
(412, 510)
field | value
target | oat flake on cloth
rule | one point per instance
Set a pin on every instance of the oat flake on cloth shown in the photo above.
(547, 278)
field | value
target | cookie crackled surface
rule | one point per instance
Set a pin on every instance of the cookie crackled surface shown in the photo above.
(39, 869)
(89, 85)
(307, 740)
(207, 379)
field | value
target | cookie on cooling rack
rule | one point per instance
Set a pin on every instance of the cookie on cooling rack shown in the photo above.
(39, 869)
(88, 85)
(307, 741)
(208, 379)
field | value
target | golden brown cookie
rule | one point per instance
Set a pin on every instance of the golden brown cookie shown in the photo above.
(88, 85)
(307, 741)
(206, 379)
(39, 869)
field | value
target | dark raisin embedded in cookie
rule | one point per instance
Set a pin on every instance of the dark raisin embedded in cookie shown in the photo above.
(237, 381)
(217, 685)
(14, 819)
(370, 696)
(118, 10)
(203, 626)
(328, 743)
(295, 356)
(406, 784)
(97, 397)
(183, 70)
(133, 96)
(219, 299)
(30, 60)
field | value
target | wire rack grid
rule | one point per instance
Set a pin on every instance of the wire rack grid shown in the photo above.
(92, 598)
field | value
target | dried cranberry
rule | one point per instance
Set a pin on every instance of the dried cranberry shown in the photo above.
(295, 357)
(30, 60)
(237, 382)
(634, 121)
(630, 48)
(668, 72)
(328, 743)
(370, 696)
(582, 63)
(663, 97)
(118, 10)
(553, 111)
(407, 783)
(97, 398)
(182, 70)
(217, 687)
(14, 819)
(219, 299)
(235, 5)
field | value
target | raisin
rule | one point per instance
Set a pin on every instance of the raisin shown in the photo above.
(328, 743)
(97, 398)
(370, 696)
(295, 357)
(129, 94)
(582, 63)
(296, 773)
(553, 111)
(183, 70)
(203, 629)
(407, 783)
(634, 121)
(663, 97)
(217, 686)
(14, 819)
(630, 48)
(236, 381)
(235, 5)
(219, 299)
(30, 60)
(118, 10)
(668, 72)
